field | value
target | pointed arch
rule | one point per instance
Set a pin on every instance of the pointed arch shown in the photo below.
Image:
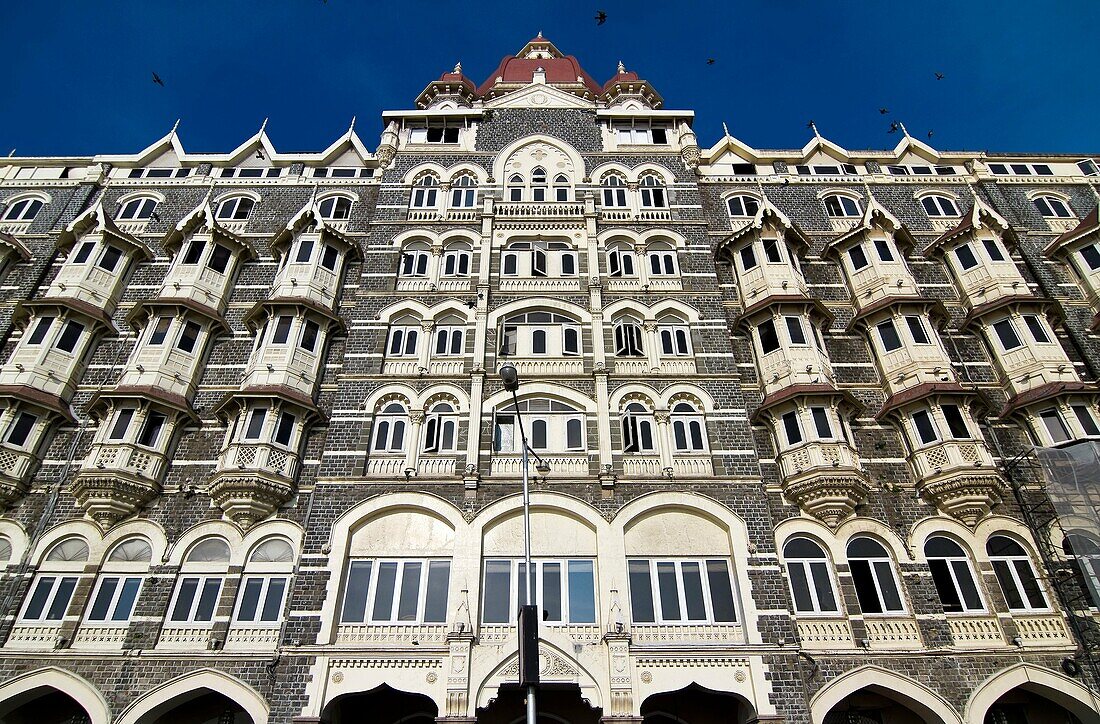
(500, 163)
(22, 688)
(917, 697)
(554, 652)
(1058, 688)
(180, 689)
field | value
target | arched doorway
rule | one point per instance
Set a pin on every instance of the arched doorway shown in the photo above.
(871, 705)
(556, 703)
(43, 706)
(201, 706)
(1020, 706)
(383, 705)
(696, 704)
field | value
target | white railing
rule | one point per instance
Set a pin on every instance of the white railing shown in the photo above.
(126, 457)
(436, 467)
(914, 364)
(90, 284)
(653, 215)
(100, 637)
(258, 456)
(825, 633)
(975, 631)
(511, 465)
(879, 280)
(175, 372)
(15, 464)
(424, 215)
(311, 281)
(538, 210)
(252, 637)
(616, 214)
(199, 283)
(950, 455)
(15, 227)
(1033, 365)
(185, 637)
(455, 285)
(818, 456)
(765, 280)
(34, 636)
(495, 634)
(789, 366)
(642, 466)
(1049, 630)
(990, 281)
(689, 466)
(893, 633)
(692, 634)
(462, 215)
(234, 227)
(547, 367)
(539, 284)
(393, 467)
(392, 634)
(54, 373)
(286, 365)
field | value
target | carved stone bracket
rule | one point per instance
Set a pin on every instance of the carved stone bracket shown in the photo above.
(969, 497)
(249, 498)
(109, 498)
(829, 498)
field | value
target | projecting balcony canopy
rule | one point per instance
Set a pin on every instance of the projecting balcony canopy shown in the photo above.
(232, 403)
(71, 304)
(254, 319)
(818, 313)
(875, 218)
(1047, 393)
(1087, 229)
(767, 218)
(102, 401)
(844, 400)
(933, 309)
(142, 312)
(38, 398)
(923, 391)
(14, 246)
(97, 220)
(309, 218)
(1049, 308)
(200, 218)
(978, 217)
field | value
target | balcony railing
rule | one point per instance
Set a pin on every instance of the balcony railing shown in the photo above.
(538, 210)
(34, 635)
(989, 282)
(188, 637)
(817, 456)
(913, 364)
(176, 372)
(794, 366)
(510, 465)
(766, 280)
(539, 284)
(258, 456)
(15, 464)
(93, 636)
(950, 455)
(54, 373)
(311, 281)
(880, 280)
(251, 638)
(537, 368)
(975, 631)
(1048, 630)
(198, 283)
(893, 633)
(690, 634)
(285, 365)
(391, 634)
(126, 457)
(90, 284)
(822, 633)
(1030, 366)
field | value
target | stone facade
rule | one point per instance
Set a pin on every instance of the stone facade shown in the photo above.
(272, 473)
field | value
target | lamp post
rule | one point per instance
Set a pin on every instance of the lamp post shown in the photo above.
(528, 622)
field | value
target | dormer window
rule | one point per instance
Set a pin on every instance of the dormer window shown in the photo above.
(1021, 169)
(841, 170)
(251, 172)
(939, 206)
(336, 208)
(425, 192)
(1088, 167)
(434, 133)
(921, 170)
(342, 172)
(159, 173)
(138, 209)
(743, 206)
(1052, 207)
(219, 257)
(636, 134)
(237, 208)
(614, 191)
(840, 207)
(23, 210)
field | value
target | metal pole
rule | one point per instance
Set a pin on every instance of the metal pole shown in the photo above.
(532, 712)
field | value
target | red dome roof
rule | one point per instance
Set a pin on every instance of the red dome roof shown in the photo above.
(522, 70)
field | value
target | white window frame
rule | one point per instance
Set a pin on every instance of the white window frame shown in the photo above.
(51, 597)
(708, 597)
(113, 604)
(190, 619)
(372, 591)
(517, 587)
(265, 593)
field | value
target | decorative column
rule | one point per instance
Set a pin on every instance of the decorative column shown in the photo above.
(664, 432)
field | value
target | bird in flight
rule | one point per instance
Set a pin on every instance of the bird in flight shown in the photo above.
(601, 17)
(893, 127)
(157, 80)
(939, 76)
(883, 111)
(711, 61)
(930, 134)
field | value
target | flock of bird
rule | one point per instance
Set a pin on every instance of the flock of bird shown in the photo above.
(601, 18)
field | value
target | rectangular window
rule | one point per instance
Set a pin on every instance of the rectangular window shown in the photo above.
(1038, 331)
(114, 599)
(110, 258)
(196, 599)
(219, 260)
(261, 599)
(882, 246)
(795, 330)
(681, 591)
(84, 252)
(189, 337)
(70, 335)
(305, 251)
(792, 428)
(916, 328)
(50, 598)
(309, 335)
(994, 250)
(821, 423)
(748, 258)
(956, 425)
(150, 431)
(565, 590)
(858, 257)
(285, 431)
(255, 423)
(20, 430)
(160, 330)
(396, 591)
(1054, 425)
(926, 431)
(122, 424)
(769, 340)
(1091, 255)
(1006, 332)
(771, 251)
(282, 330)
(1085, 417)
(888, 333)
(330, 257)
(40, 329)
(966, 257)
(194, 251)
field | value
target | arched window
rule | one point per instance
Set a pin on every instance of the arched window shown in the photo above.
(441, 428)
(675, 336)
(873, 575)
(450, 336)
(811, 579)
(264, 585)
(515, 187)
(404, 337)
(653, 192)
(120, 582)
(200, 584)
(23, 209)
(336, 208)
(1052, 207)
(539, 334)
(1017, 578)
(561, 187)
(414, 259)
(614, 191)
(662, 260)
(628, 338)
(464, 192)
(235, 208)
(56, 581)
(538, 184)
(743, 205)
(638, 429)
(839, 206)
(425, 192)
(937, 205)
(621, 261)
(456, 260)
(5, 550)
(1086, 552)
(953, 576)
(389, 428)
(687, 428)
(551, 426)
(138, 209)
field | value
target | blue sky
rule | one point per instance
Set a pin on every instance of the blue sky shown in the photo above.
(1018, 76)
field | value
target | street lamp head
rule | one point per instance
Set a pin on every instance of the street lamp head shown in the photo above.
(543, 469)
(509, 376)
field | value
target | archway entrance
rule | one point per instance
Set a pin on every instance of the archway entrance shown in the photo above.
(696, 705)
(383, 705)
(201, 706)
(1020, 706)
(42, 706)
(872, 706)
(557, 704)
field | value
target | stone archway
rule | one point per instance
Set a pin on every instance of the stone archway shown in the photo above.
(1024, 706)
(696, 704)
(381, 705)
(556, 704)
(1030, 694)
(874, 695)
(43, 706)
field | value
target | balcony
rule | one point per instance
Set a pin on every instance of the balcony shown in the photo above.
(124, 457)
(167, 368)
(549, 367)
(987, 282)
(16, 467)
(539, 210)
(791, 365)
(540, 284)
(1033, 365)
(642, 466)
(197, 283)
(958, 478)
(37, 636)
(252, 480)
(825, 633)
(659, 284)
(117, 480)
(892, 633)
(414, 368)
(635, 366)
(818, 456)
(975, 632)
(562, 465)
(1046, 630)
(880, 280)
(100, 637)
(950, 455)
(307, 281)
(769, 280)
(825, 479)
(252, 638)
(262, 458)
(913, 364)
(90, 284)
(56, 372)
(283, 365)
(186, 637)
(714, 634)
(423, 284)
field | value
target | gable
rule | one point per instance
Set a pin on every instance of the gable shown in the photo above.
(539, 95)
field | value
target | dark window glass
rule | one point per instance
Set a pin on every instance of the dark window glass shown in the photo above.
(84, 252)
(994, 250)
(21, 429)
(748, 258)
(70, 336)
(916, 328)
(150, 431)
(498, 580)
(194, 251)
(955, 423)
(309, 335)
(794, 329)
(122, 423)
(328, 259)
(219, 260)
(858, 257)
(925, 429)
(882, 246)
(40, 329)
(305, 251)
(888, 333)
(160, 331)
(769, 340)
(821, 423)
(1091, 255)
(355, 593)
(255, 424)
(282, 330)
(791, 428)
(189, 337)
(435, 601)
(1035, 326)
(1007, 334)
(285, 430)
(641, 592)
(110, 258)
(966, 257)
(1085, 417)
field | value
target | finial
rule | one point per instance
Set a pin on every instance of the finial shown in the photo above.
(458, 68)
(622, 68)
(814, 127)
(725, 129)
(175, 126)
(352, 126)
(263, 125)
(539, 35)
(902, 127)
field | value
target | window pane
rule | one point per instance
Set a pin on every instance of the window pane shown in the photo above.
(641, 592)
(103, 599)
(888, 333)
(916, 328)
(551, 592)
(891, 597)
(208, 599)
(582, 592)
(968, 585)
(255, 424)
(945, 586)
(670, 596)
(883, 248)
(435, 604)
(794, 329)
(955, 422)
(122, 423)
(355, 596)
(498, 580)
(383, 593)
(693, 592)
(966, 257)
(70, 336)
(858, 257)
(61, 598)
(573, 434)
(925, 429)
(823, 584)
(800, 586)
(184, 599)
(250, 598)
(1038, 332)
(1008, 585)
(40, 330)
(791, 428)
(1007, 334)
(821, 423)
(721, 591)
(1085, 417)
(1032, 589)
(219, 260)
(866, 593)
(538, 434)
(410, 592)
(126, 599)
(769, 340)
